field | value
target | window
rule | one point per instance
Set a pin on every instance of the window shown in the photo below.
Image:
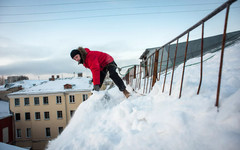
(58, 99)
(48, 132)
(18, 133)
(27, 116)
(46, 116)
(36, 100)
(37, 116)
(60, 130)
(59, 115)
(28, 132)
(85, 97)
(17, 102)
(72, 112)
(45, 100)
(17, 116)
(26, 101)
(71, 99)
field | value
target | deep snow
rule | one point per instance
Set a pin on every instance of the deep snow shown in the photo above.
(161, 122)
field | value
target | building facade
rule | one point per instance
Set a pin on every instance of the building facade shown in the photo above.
(40, 117)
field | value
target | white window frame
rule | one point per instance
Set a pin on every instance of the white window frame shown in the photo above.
(26, 99)
(45, 98)
(36, 116)
(18, 133)
(17, 99)
(36, 99)
(58, 99)
(84, 97)
(26, 116)
(59, 114)
(45, 115)
(46, 132)
(71, 99)
(28, 132)
(60, 130)
(72, 113)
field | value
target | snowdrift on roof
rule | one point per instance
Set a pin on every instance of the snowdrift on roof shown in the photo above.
(161, 122)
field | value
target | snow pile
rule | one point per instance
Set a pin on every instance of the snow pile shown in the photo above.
(161, 122)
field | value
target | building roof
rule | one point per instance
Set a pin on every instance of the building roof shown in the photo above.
(4, 109)
(2, 88)
(11, 147)
(57, 86)
(23, 83)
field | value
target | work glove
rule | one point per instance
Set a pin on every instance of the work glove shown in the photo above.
(96, 88)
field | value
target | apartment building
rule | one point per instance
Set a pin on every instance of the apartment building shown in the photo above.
(42, 112)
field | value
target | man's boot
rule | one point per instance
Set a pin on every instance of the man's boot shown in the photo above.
(126, 93)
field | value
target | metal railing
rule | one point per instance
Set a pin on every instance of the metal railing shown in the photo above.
(151, 69)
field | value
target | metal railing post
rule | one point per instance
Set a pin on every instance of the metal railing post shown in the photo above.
(170, 91)
(185, 57)
(166, 69)
(151, 67)
(161, 64)
(140, 77)
(201, 69)
(221, 59)
(155, 67)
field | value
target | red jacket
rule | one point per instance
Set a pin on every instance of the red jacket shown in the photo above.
(96, 61)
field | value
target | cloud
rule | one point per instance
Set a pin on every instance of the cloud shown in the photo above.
(21, 59)
(14, 48)
(50, 66)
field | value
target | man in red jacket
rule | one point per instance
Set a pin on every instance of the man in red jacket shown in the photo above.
(99, 63)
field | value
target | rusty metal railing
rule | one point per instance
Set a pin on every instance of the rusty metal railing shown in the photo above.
(150, 69)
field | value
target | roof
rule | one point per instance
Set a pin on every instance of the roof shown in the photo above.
(4, 109)
(11, 147)
(23, 83)
(57, 86)
(212, 44)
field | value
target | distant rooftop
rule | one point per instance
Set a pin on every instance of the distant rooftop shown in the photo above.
(56, 86)
(24, 83)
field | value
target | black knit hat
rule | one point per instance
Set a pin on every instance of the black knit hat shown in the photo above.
(74, 53)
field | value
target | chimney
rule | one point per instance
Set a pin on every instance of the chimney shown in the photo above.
(67, 86)
(52, 78)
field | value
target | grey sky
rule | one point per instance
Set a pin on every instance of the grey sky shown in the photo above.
(43, 45)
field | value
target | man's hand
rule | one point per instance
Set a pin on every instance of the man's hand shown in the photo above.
(96, 88)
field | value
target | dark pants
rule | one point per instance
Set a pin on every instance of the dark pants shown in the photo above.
(111, 68)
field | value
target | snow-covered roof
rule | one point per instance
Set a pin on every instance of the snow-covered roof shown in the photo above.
(24, 83)
(78, 84)
(10, 147)
(2, 88)
(4, 109)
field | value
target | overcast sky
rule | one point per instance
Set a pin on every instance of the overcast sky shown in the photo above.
(36, 36)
